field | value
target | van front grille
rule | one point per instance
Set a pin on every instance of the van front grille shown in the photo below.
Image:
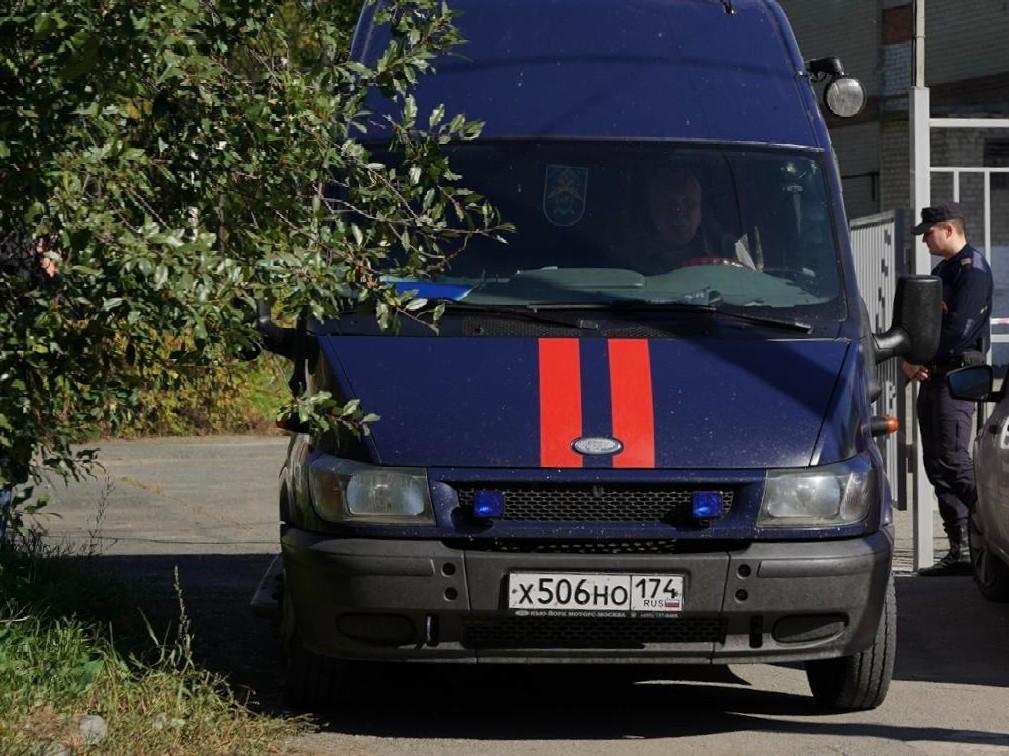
(527, 546)
(586, 502)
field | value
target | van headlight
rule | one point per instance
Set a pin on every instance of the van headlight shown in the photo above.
(838, 494)
(345, 491)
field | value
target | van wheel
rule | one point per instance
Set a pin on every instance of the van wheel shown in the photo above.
(990, 573)
(312, 681)
(859, 682)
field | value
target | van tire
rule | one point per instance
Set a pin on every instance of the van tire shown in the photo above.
(859, 682)
(991, 574)
(313, 681)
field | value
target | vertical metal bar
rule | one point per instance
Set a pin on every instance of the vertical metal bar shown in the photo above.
(921, 171)
(982, 408)
(921, 493)
(919, 43)
(904, 410)
(987, 215)
(956, 185)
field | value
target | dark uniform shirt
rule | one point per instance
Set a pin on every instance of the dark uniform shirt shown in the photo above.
(966, 294)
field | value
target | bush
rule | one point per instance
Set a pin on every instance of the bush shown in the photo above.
(234, 398)
(178, 160)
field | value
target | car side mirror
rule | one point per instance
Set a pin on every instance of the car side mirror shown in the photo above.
(917, 318)
(276, 339)
(972, 383)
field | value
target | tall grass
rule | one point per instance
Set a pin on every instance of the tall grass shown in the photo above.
(73, 645)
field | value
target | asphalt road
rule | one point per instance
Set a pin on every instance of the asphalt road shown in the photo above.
(207, 507)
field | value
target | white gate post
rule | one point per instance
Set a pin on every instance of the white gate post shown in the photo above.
(922, 496)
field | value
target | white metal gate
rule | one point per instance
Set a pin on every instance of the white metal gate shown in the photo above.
(986, 242)
(877, 244)
(922, 176)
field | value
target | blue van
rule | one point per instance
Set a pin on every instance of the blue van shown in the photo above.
(644, 429)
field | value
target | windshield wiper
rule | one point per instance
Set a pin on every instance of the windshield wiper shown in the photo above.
(681, 307)
(788, 325)
(521, 312)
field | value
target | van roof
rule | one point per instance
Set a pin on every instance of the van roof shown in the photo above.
(670, 69)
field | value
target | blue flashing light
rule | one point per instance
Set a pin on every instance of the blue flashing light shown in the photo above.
(431, 290)
(707, 504)
(488, 504)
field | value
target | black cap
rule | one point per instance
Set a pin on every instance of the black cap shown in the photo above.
(937, 214)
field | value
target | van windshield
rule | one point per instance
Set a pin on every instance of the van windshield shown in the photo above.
(605, 221)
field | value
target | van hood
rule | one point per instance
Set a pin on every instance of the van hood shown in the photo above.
(523, 402)
(664, 69)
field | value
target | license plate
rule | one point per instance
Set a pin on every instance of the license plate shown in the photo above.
(594, 593)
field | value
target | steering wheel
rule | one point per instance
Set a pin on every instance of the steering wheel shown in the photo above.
(729, 261)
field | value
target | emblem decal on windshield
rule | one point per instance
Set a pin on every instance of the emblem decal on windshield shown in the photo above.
(595, 446)
(564, 194)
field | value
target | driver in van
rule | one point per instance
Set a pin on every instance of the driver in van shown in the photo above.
(675, 201)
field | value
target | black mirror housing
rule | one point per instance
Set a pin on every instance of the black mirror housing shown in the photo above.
(293, 425)
(973, 383)
(276, 339)
(917, 319)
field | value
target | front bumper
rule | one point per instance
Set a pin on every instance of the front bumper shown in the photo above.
(423, 600)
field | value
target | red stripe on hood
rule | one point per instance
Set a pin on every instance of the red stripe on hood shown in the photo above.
(560, 402)
(631, 397)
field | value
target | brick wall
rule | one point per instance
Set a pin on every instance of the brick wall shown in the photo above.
(858, 148)
(849, 30)
(966, 39)
(967, 69)
(895, 157)
(966, 147)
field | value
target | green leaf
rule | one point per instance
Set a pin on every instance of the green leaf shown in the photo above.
(437, 115)
(416, 304)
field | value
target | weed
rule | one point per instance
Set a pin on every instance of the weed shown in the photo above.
(72, 644)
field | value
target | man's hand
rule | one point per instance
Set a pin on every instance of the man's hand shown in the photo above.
(914, 372)
(47, 263)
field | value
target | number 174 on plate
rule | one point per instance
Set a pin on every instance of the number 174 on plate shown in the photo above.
(595, 592)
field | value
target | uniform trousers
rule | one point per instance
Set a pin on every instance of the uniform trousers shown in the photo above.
(946, 435)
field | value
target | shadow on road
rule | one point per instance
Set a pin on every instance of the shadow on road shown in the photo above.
(947, 634)
(215, 591)
(505, 704)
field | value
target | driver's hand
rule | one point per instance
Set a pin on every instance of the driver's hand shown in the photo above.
(914, 372)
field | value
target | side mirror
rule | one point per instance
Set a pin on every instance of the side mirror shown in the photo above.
(293, 425)
(972, 383)
(917, 318)
(276, 339)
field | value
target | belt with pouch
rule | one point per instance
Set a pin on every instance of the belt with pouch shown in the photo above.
(956, 361)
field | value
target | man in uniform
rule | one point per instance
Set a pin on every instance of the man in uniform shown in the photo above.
(946, 422)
